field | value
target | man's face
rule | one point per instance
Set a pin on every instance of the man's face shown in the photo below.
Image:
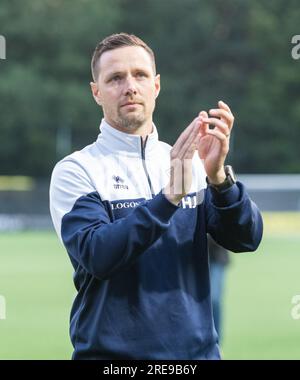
(126, 87)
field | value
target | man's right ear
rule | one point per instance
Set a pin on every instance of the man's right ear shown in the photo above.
(95, 92)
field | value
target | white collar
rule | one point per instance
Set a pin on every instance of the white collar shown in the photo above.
(127, 143)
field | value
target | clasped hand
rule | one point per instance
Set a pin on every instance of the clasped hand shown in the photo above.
(212, 145)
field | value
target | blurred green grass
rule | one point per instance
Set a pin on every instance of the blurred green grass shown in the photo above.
(258, 295)
(36, 281)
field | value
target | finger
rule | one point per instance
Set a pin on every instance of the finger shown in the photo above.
(203, 114)
(219, 135)
(203, 128)
(223, 105)
(186, 133)
(191, 149)
(190, 142)
(223, 127)
(203, 125)
(222, 114)
(183, 137)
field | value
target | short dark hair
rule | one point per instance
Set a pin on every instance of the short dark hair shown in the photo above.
(116, 41)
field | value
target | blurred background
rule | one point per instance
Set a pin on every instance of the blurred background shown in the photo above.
(239, 51)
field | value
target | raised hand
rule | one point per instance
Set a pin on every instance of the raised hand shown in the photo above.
(213, 144)
(181, 163)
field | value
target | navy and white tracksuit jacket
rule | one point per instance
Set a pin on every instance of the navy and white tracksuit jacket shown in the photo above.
(141, 263)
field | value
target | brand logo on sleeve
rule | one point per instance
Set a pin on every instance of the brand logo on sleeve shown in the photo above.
(192, 200)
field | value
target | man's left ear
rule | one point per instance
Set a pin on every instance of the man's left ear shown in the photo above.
(95, 92)
(157, 85)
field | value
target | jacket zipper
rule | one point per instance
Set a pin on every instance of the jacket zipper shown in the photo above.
(143, 147)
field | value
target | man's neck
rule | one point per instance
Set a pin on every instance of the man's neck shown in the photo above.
(143, 131)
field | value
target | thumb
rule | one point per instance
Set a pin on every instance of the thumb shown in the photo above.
(203, 114)
(203, 126)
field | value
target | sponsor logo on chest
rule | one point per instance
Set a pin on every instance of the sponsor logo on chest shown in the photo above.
(119, 183)
(124, 204)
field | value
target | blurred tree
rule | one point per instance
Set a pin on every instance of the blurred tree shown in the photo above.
(44, 83)
(269, 111)
(238, 51)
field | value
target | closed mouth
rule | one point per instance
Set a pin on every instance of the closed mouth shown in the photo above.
(130, 104)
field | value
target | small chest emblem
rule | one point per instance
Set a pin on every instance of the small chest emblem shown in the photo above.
(119, 183)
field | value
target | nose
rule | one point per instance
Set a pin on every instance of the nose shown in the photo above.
(130, 88)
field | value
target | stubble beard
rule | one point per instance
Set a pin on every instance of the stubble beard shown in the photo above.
(131, 121)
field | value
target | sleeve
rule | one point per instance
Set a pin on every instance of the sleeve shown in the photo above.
(81, 219)
(233, 219)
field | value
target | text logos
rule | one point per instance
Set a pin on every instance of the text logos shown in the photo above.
(2, 307)
(295, 312)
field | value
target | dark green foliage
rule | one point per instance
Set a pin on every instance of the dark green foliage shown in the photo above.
(235, 50)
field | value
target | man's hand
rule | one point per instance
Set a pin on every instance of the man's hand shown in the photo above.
(213, 144)
(181, 163)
